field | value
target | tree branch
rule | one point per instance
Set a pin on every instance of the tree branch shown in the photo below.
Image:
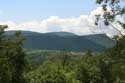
(117, 30)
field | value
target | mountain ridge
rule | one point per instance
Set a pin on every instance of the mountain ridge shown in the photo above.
(65, 41)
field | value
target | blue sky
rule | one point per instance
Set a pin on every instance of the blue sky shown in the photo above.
(26, 10)
(76, 16)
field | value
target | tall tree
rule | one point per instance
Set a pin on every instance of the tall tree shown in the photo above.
(12, 58)
(111, 69)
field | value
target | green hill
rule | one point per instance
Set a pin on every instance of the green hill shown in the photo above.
(65, 41)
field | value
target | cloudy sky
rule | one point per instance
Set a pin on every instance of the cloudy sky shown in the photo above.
(76, 16)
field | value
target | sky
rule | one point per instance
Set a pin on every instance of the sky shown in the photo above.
(26, 10)
(51, 15)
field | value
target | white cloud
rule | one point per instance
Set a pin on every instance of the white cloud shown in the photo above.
(82, 25)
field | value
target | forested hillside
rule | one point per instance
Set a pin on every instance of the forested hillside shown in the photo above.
(68, 67)
(65, 41)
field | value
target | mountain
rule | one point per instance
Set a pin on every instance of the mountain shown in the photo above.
(65, 41)
(60, 34)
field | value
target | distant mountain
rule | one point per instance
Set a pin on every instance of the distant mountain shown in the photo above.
(101, 39)
(65, 41)
(24, 33)
(60, 34)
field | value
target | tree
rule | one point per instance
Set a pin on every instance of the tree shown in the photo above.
(115, 10)
(88, 53)
(115, 56)
(4, 66)
(12, 57)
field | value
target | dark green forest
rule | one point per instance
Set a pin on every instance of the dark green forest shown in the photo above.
(19, 65)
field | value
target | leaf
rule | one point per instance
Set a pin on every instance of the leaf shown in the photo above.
(99, 1)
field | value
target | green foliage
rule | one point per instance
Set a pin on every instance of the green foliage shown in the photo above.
(66, 67)
(12, 58)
